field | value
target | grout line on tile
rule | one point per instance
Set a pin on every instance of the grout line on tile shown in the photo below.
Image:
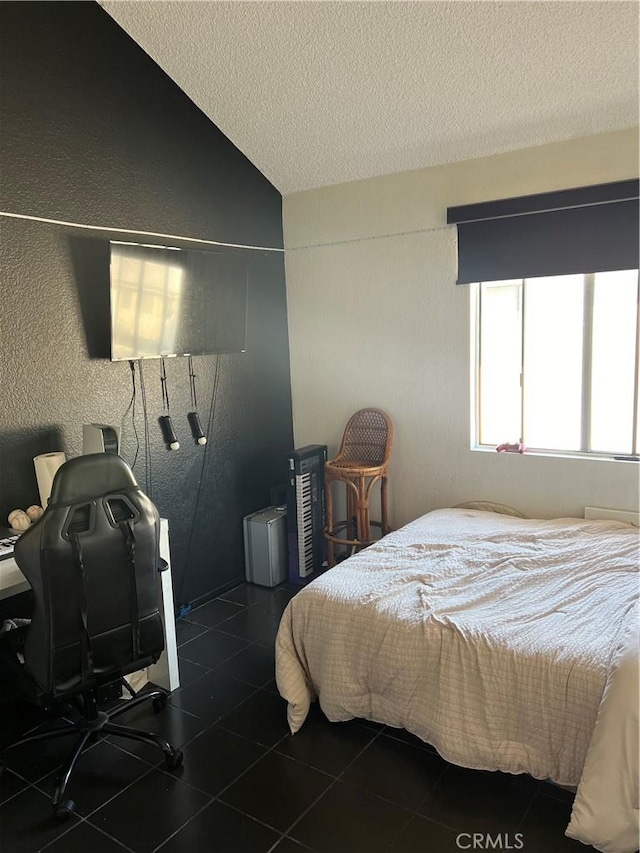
(186, 823)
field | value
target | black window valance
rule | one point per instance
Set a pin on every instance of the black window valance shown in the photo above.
(588, 229)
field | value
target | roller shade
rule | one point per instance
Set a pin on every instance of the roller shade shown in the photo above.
(588, 229)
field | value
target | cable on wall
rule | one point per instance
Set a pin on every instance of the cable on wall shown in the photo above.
(147, 446)
(184, 608)
(131, 408)
(369, 238)
(199, 240)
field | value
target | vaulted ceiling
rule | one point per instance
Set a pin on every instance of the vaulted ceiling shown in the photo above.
(317, 93)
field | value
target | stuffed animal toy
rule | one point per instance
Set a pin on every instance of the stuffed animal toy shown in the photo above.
(34, 512)
(19, 520)
(22, 519)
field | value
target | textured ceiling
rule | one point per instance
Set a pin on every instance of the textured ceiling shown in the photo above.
(318, 93)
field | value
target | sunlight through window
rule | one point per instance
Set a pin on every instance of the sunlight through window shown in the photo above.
(558, 363)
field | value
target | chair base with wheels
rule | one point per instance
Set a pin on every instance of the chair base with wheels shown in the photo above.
(91, 726)
(361, 462)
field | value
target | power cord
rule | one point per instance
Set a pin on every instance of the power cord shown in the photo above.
(131, 408)
(183, 609)
(147, 447)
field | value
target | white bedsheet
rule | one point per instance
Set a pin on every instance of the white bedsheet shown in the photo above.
(605, 810)
(489, 636)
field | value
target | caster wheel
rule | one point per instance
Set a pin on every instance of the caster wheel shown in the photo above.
(175, 760)
(159, 703)
(64, 810)
(3, 767)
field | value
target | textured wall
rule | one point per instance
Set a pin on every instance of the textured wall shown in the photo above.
(380, 249)
(94, 133)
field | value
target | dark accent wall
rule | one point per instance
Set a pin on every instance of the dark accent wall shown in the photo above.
(93, 132)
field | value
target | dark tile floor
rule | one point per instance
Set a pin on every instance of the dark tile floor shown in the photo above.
(247, 786)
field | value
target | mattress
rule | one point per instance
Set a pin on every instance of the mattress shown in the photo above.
(490, 637)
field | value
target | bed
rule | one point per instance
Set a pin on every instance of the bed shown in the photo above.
(497, 639)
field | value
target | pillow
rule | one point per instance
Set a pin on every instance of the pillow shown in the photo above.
(490, 506)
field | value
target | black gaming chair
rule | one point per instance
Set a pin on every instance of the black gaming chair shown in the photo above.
(92, 562)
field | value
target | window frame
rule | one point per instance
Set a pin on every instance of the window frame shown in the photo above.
(475, 384)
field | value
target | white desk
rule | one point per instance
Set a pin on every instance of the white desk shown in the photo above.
(12, 581)
(163, 673)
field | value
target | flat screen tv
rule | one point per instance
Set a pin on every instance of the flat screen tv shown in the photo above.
(167, 301)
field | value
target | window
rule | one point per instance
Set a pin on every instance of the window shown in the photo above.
(557, 363)
(558, 342)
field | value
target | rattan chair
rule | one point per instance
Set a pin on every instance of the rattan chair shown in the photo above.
(361, 462)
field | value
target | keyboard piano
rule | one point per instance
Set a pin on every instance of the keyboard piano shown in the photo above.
(8, 539)
(305, 512)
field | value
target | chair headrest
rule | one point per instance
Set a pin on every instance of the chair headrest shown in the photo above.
(87, 477)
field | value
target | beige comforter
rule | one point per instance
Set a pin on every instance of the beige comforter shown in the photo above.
(486, 635)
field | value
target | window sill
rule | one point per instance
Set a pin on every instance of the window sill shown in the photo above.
(551, 454)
